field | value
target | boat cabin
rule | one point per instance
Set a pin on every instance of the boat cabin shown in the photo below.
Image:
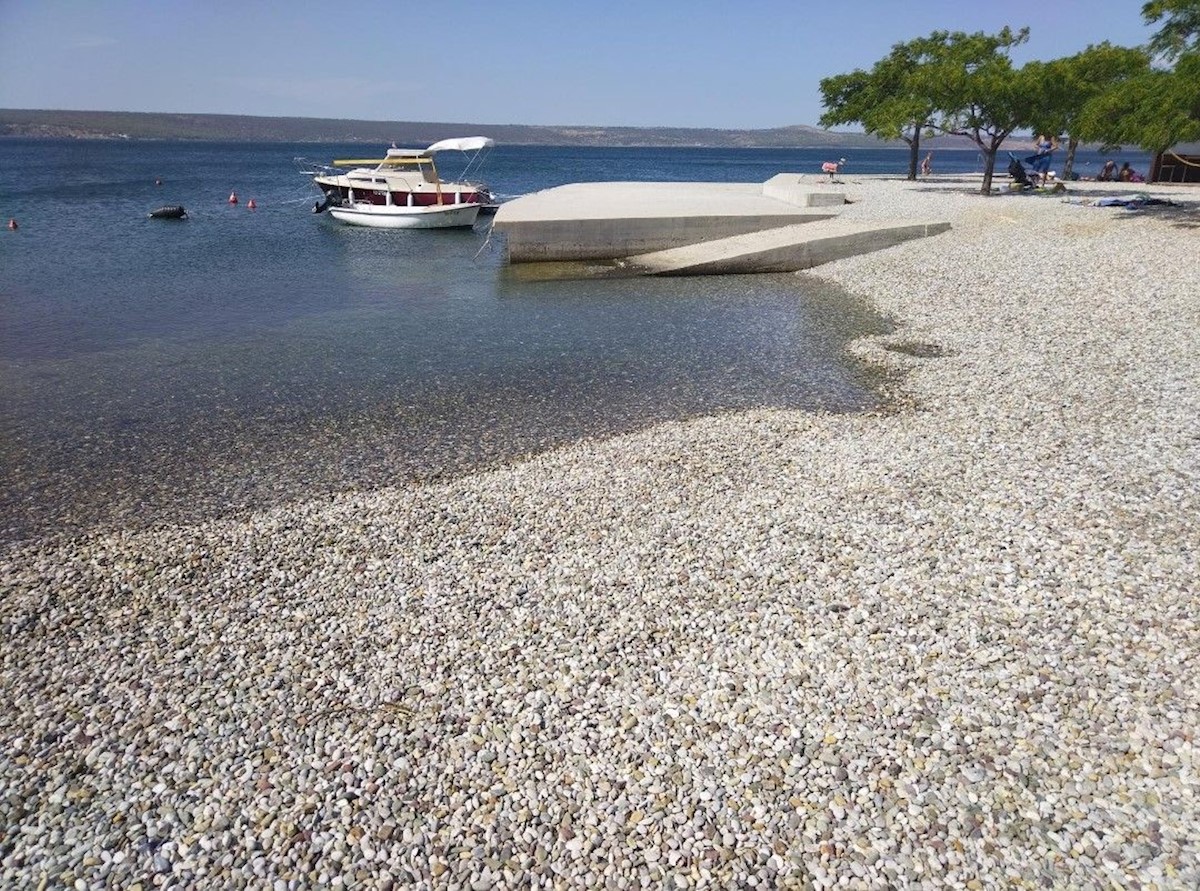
(405, 177)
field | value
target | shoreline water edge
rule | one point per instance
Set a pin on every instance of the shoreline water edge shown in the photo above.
(954, 643)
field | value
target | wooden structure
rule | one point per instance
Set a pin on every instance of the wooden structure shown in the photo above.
(1180, 164)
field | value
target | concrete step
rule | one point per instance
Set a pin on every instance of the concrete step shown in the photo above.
(783, 249)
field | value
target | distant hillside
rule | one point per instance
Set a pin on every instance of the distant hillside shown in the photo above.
(218, 127)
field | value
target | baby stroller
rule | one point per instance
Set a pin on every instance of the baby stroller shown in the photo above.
(1023, 173)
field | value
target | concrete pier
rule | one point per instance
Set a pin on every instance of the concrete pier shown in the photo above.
(784, 224)
(607, 221)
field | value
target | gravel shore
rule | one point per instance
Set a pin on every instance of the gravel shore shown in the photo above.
(956, 643)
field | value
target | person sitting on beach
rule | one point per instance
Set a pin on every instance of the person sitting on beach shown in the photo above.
(1039, 161)
(1108, 172)
(927, 165)
(1129, 175)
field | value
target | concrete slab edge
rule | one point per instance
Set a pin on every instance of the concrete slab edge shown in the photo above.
(804, 252)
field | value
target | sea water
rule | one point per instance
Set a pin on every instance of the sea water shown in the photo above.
(157, 370)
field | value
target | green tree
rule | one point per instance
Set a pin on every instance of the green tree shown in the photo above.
(891, 100)
(1155, 111)
(980, 94)
(1159, 107)
(1180, 31)
(1073, 81)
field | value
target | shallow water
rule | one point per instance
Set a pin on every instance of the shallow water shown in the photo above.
(427, 383)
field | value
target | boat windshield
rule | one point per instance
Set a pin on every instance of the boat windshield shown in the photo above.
(398, 160)
(410, 164)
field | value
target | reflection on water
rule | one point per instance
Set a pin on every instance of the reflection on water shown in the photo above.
(567, 270)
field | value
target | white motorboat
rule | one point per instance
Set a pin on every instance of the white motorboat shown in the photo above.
(403, 189)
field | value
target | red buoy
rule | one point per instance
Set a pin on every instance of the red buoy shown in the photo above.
(12, 224)
(233, 197)
(250, 205)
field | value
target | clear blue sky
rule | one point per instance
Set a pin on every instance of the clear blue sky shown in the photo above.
(734, 64)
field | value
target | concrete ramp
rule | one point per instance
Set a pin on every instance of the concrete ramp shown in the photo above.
(783, 249)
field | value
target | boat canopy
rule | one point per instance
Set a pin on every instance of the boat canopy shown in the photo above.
(397, 156)
(462, 144)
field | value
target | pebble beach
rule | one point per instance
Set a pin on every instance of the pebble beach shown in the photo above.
(951, 643)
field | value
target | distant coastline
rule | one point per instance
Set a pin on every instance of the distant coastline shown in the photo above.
(60, 124)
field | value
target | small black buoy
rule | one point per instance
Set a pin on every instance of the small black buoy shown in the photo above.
(170, 212)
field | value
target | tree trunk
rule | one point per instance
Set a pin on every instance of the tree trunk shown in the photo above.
(989, 165)
(1069, 164)
(914, 149)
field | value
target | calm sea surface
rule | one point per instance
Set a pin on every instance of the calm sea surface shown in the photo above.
(158, 370)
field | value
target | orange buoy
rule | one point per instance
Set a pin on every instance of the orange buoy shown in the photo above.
(12, 224)
(250, 205)
(233, 197)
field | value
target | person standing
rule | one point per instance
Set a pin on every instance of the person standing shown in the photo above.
(927, 165)
(1044, 147)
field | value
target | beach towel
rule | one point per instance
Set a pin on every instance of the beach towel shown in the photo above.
(1132, 202)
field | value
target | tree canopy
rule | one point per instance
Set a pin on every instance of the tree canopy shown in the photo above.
(950, 82)
(967, 84)
(980, 94)
(1161, 107)
(1180, 31)
(1075, 81)
(1155, 110)
(891, 100)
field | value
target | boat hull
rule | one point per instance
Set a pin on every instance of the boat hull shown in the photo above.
(439, 216)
